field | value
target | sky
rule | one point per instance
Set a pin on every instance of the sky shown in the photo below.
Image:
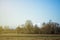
(16, 12)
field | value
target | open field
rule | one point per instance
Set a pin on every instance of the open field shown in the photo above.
(29, 37)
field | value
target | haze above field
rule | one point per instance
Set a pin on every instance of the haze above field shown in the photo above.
(16, 12)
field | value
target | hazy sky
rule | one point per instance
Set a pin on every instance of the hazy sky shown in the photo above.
(15, 12)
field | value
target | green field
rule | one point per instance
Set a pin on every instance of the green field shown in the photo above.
(29, 37)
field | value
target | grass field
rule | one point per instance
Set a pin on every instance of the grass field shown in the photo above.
(29, 37)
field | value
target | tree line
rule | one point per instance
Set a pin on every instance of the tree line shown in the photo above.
(29, 28)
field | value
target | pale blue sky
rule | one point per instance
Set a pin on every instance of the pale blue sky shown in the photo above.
(16, 12)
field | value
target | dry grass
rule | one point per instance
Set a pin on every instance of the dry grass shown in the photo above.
(29, 37)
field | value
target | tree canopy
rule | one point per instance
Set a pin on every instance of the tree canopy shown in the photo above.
(29, 28)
